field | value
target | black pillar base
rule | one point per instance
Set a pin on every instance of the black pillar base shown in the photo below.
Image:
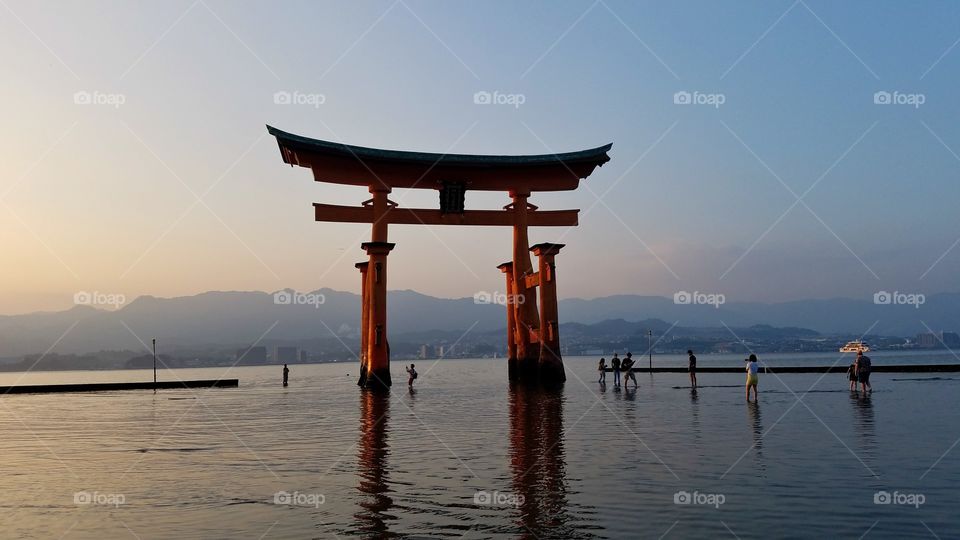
(513, 369)
(527, 369)
(378, 379)
(551, 371)
(363, 376)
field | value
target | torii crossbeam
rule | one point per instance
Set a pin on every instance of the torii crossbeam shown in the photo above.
(533, 339)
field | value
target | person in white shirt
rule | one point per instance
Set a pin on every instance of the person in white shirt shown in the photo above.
(752, 378)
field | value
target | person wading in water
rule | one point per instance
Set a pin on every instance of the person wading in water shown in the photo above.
(627, 366)
(412, 372)
(692, 367)
(753, 379)
(615, 364)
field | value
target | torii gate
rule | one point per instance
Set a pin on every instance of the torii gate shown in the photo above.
(533, 338)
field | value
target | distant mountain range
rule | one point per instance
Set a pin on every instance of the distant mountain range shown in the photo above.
(242, 318)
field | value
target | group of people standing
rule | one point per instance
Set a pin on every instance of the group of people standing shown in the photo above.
(626, 365)
(618, 365)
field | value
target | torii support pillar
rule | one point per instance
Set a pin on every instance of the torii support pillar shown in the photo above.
(378, 351)
(527, 319)
(512, 369)
(364, 321)
(551, 363)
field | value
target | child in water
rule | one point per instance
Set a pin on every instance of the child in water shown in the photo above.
(852, 375)
(602, 367)
(752, 377)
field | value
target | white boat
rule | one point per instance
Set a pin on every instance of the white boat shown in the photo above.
(855, 346)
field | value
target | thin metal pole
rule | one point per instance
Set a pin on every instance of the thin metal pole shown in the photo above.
(650, 348)
(154, 364)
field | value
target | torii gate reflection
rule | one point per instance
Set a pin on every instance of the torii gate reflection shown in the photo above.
(533, 339)
(537, 467)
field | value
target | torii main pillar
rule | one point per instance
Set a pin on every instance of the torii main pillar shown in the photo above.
(525, 297)
(377, 349)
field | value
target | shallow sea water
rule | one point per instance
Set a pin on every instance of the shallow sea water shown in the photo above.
(464, 455)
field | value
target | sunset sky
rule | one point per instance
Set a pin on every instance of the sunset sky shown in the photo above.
(788, 181)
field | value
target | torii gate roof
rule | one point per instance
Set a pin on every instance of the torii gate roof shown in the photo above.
(357, 165)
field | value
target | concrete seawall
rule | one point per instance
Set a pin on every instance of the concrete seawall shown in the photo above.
(109, 387)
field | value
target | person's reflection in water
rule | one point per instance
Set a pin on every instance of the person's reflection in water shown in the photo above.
(863, 409)
(695, 415)
(537, 463)
(753, 413)
(375, 498)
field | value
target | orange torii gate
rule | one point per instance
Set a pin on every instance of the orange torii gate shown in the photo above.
(533, 339)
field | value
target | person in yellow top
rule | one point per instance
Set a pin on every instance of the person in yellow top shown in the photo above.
(752, 377)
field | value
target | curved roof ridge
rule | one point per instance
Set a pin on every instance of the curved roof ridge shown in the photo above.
(299, 142)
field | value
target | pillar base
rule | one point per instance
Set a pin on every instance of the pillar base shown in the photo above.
(547, 370)
(378, 379)
(528, 369)
(551, 370)
(363, 376)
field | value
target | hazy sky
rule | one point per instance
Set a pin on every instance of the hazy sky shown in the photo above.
(797, 185)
